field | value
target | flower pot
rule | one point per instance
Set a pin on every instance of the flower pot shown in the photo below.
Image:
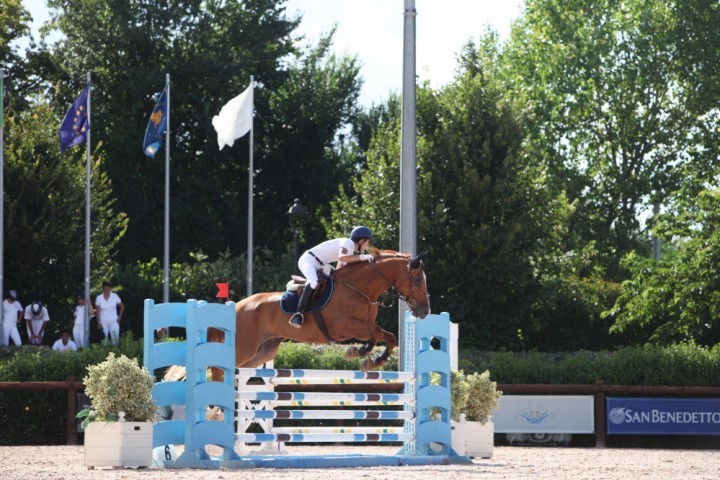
(473, 438)
(118, 444)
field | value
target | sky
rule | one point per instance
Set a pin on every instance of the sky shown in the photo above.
(373, 30)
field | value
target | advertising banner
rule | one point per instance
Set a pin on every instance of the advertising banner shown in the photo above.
(544, 414)
(663, 416)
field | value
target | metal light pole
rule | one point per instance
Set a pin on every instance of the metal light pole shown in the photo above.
(297, 215)
(408, 229)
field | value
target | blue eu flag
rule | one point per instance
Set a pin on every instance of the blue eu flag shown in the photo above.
(157, 126)
(75, 125)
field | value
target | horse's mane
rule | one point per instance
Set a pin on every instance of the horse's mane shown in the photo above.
(380, 256)
(383, 254)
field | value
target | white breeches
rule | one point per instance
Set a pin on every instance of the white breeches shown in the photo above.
(79, 335)
(309, 267)
(111, 330)
(10, 330)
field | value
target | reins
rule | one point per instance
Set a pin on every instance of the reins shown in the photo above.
(391, 290)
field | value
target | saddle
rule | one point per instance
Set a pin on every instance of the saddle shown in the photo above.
(297, 282)
(318, 300)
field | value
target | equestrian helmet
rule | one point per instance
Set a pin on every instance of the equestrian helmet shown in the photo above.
(360, 232)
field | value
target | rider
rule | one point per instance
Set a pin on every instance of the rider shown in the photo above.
(340, 250)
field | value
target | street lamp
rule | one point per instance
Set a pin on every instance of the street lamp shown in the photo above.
(297, 215)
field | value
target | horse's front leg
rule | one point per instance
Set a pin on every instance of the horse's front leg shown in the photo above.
(390, 343)
(355, 352)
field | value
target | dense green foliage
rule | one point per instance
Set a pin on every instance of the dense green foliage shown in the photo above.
(45, 214)
(674, 365)
(539, 164)
(210, 49)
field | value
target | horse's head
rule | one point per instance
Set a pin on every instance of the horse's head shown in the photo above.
(414, 287)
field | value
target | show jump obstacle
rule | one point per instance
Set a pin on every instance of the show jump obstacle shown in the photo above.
(425, 440)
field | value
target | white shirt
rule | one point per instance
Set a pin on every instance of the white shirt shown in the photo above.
(59, 346)
(329, 250)
(43, 315)
(108, 308)
(10, 311)
(79, 315)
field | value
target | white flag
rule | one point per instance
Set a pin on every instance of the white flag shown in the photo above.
(235, 118)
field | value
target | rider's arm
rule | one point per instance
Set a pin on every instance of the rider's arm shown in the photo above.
(346, 257)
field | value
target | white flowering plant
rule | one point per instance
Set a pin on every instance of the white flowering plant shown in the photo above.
(116, 385)
(474, 395)
(483, 396)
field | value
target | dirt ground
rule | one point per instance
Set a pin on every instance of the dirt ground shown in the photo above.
(66, 463)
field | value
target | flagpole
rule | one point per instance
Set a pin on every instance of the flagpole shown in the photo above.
(166, 257)
(251, 168)
(2, 191)
(86, 341)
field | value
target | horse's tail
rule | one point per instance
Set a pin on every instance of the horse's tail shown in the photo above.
(174, 373)
(177, 372)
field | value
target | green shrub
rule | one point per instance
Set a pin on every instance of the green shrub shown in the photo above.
(116, 385)
(325, 357)
(675, 365)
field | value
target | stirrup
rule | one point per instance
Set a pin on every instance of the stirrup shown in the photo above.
(297, 320)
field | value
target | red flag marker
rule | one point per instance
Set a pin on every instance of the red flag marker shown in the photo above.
(222, 290)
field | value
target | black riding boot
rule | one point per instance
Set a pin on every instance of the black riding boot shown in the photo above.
(297, 319)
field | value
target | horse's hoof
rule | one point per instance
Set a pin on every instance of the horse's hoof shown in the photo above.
(366, 365)
(351, 353)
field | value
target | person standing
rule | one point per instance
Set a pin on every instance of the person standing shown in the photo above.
(12, 315)
(36, 316)
(64, 344)
(340, 250)
(109, 310)
(79, 315)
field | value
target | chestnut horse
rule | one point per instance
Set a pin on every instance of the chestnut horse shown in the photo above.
(350, 313)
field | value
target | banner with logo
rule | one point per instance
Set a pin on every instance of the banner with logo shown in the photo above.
(663, 416)
(545, 414)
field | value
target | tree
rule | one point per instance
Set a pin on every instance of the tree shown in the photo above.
(619, 115)
(45, 215)
(485, 215)
(210, 49)
(14, 26)
(676, 299)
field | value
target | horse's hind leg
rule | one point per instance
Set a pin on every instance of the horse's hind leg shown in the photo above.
(266, 352)
(379, 361)
(355, 352)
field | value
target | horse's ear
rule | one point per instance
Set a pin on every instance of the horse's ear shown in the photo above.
(416, 261)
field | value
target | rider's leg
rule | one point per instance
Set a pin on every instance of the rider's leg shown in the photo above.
(297, 319)
(307, 266)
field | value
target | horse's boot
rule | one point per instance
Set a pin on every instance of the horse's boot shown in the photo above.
(297, 319)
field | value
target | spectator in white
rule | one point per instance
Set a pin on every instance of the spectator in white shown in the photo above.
(64, 344)
(36, 315)
(109, 310)
(79, 316)
(12, 315)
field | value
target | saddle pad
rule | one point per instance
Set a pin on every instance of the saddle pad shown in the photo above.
(290, 300)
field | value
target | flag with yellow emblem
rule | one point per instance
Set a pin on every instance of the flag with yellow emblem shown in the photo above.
(157, 126)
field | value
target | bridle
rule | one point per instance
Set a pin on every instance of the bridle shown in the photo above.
(392, 291)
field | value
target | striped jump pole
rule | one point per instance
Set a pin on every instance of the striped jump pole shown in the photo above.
(417, 401)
